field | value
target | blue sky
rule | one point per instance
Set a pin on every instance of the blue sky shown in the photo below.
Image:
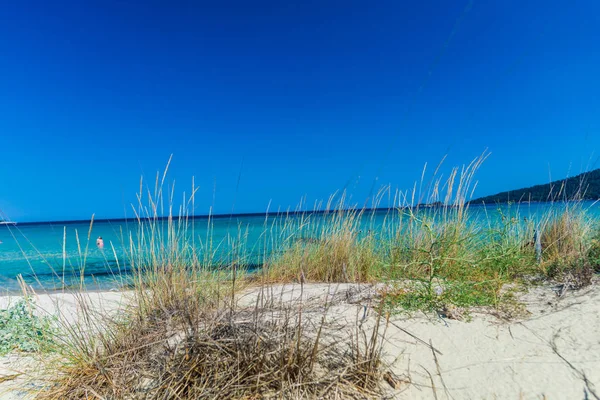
(272, 101)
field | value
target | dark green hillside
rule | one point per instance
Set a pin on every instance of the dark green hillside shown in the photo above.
(585, 186)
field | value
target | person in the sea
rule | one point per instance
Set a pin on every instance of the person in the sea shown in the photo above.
(100, 242)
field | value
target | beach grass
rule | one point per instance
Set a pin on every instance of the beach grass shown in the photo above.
(437, 253)
(184, 335)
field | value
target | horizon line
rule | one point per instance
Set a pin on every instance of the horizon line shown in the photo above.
(206, 216)
(251, 214)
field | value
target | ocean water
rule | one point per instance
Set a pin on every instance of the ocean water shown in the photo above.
(51, 256)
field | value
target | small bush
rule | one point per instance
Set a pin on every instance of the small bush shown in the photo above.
(21, 330)
(228, 354)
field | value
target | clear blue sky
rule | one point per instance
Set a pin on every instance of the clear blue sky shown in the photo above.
(303, 98)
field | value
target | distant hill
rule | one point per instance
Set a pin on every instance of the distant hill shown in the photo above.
(585, 186)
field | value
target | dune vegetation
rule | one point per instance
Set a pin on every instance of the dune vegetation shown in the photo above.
(184, 334)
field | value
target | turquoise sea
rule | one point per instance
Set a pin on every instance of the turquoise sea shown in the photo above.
(48, 254)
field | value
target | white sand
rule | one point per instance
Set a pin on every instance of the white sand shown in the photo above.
(67, 306)
(17, 370)
(554, 353)
(487, 359)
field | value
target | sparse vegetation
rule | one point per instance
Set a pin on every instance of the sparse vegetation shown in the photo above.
(23, 331)
(184, 334)
(445, 255)
(226, 352)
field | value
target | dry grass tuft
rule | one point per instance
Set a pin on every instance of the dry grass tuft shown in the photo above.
(568, 248)
(564, 235)
(334, 257)
(229, 353)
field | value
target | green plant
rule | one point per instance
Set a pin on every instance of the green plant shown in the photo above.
(22, 330)
(593, 254)
(416, 296)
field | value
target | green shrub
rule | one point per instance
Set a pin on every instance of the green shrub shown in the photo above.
(21, 330)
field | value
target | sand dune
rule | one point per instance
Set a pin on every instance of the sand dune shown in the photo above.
(552, 353)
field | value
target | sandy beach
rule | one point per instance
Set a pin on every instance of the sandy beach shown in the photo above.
(552, 353)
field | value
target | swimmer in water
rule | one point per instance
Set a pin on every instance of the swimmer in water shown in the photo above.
(100, 242)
